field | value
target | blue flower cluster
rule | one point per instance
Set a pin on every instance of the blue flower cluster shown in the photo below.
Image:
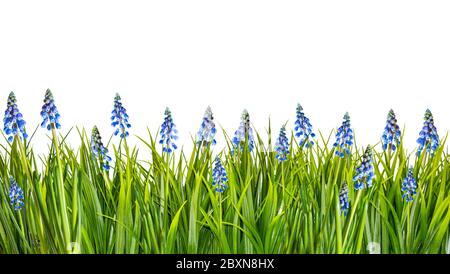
(119, 118)
(391, 134)
(282, 145)
(168, 133)
(343, 199)
(15, 195)
(344, 138)
(13, 122)
(365, 172)
(219, 175)
(207, 131)
(428, 138)
(244, 133)
(99, 150)
(409, 186)
(49, 113)
(303, 129)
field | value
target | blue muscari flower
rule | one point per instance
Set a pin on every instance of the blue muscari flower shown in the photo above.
(168, 133)
(219, 175)
(344, 138)
(343, 199)
(428, 139)
(303, 128)
(391, 134)
(119, 118)
(99, 150)
(207, 131)
(364, 173)
(282, 145)
(409, 186)
(15, 195)
(49, 113)
(13, 123)
(244, 133)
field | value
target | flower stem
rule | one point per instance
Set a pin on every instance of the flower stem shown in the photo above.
(61, 192)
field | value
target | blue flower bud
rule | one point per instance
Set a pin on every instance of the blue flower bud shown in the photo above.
(282, 145)
(49, 113)
(391, 134)
(207, 131)
(244, 133)
(219, 175)
(13, 122)
(303, 129)
(428, 137)
(168, 133)
(99, 150)
(344, 138)
(16, 196)
(365, 172)
(409, 186)
(119, 118)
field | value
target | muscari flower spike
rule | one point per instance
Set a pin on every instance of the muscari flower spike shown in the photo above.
(391, 134)
(15, 195)
(168, 133)
(13, 122)
(343, 200)
(409, 186)
(429, 138)
(220, 177)
(303, 128)
(364, 173)
(100, 151)
(207, 131)
(120, 118)
(282, 145)
(244, 133)
(49, 113)
(344, 138)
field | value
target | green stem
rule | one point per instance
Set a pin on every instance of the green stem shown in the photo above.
(352, 215)
(61, 192)
(408, 228)
(338, 223)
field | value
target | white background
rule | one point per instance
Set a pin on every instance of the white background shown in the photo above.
(364, 57)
